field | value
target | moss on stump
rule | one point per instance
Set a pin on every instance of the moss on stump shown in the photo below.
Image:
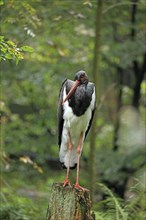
(67, 203)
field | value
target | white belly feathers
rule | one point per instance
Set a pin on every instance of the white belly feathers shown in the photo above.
(75, 125)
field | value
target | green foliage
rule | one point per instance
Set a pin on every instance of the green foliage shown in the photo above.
(113, 205)
(54, 39)
(28, 194)
(27, 49)
(115, 167)
(135, 205)
(12, 213)
(10, 51)
(1, 2)
(114, 208)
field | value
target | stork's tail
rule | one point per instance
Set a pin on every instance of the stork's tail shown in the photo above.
(64, 157)
(64, 167)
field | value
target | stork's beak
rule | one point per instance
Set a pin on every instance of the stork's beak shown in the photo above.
(74, 86)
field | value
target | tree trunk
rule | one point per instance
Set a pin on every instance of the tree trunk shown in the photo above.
(67, 203)
(138, 71)
(96, 79)
(139, 79)
(119, 105)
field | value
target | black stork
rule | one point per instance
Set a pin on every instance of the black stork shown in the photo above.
(76, 108)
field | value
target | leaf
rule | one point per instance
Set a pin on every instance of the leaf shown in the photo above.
(27, 49)
(11, 43)
(88, 3)
(26, 159)
(1, 38)
(1, 2)
(9, 56)
(61, 52)
(57, 18)
(38, 168)
(16, 60)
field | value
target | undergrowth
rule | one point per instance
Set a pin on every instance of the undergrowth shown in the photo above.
(115, 208)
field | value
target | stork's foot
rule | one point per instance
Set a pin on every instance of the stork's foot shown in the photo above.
(66, 183)
(80, 188)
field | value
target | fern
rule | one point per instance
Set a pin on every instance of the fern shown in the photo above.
(12, 213)
(135, 206)
(101, 216)
(114, 205)
(114, 208)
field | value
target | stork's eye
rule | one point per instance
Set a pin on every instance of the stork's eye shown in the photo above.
(82, 76)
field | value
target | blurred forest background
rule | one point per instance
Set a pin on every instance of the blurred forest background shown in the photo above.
(42, 43)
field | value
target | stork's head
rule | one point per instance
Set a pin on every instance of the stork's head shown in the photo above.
(80, 78)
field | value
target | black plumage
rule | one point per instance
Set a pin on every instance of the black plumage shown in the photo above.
(76, 106)
(79, 102)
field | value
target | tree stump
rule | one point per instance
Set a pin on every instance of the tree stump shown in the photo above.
(67, 203)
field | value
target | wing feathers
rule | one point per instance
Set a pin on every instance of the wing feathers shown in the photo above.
(60, 113)
(67, 83)
(93, 106)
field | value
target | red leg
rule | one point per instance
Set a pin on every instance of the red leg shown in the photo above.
(67, 181)
(77, 186)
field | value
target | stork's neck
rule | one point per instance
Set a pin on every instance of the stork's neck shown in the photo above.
(80, 100)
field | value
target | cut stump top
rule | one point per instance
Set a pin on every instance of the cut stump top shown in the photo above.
(68, 203)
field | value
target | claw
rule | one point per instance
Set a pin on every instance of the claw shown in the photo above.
(66, 183)
(80, 188)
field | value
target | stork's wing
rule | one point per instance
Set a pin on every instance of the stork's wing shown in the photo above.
(67, 84)
(93, 106)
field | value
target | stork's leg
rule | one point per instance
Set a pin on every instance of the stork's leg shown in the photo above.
(67, 181)
(77, 186)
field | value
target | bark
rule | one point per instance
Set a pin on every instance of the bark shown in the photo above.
(138, 71)
(140, 77)
(119, 105)
(67, 203)
(133, 18)
(96, 79)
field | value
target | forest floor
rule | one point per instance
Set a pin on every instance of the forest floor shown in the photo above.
(24, 188)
